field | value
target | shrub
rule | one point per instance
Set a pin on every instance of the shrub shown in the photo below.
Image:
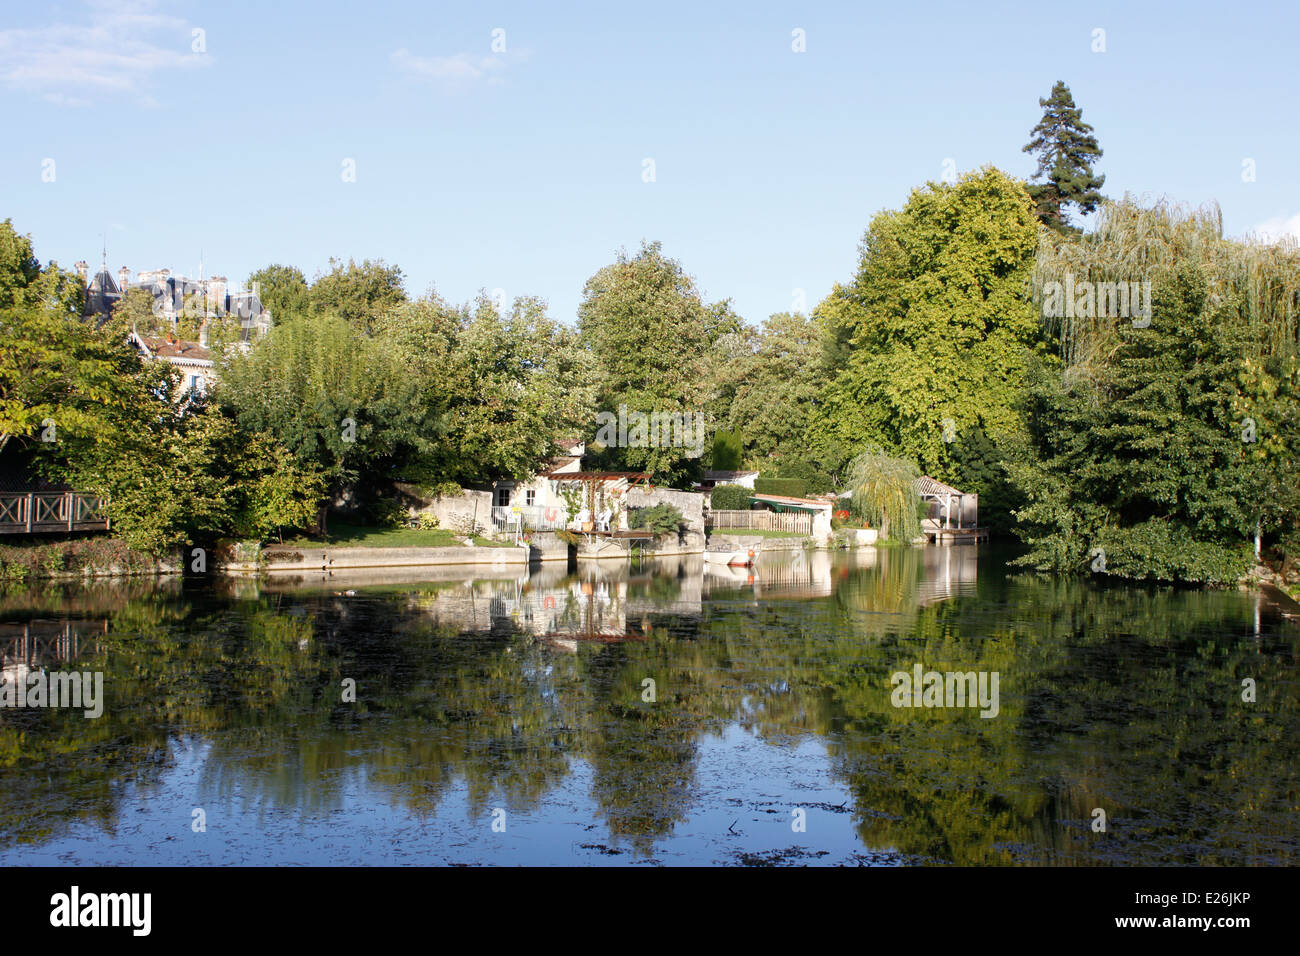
(790, 487)
(730, 498)
(659, 519)
(387, 513)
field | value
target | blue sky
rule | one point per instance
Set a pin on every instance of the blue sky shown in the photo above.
(522, 170)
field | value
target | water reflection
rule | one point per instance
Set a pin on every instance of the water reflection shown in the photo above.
(768, 690)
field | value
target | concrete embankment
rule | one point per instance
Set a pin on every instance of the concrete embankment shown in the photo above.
(280, 559)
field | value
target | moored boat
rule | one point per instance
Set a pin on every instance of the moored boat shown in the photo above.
(735, 559)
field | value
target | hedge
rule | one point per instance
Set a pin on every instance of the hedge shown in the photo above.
(730, 498)
(790, 487)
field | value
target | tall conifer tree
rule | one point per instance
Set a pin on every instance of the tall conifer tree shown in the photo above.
(1066, 149)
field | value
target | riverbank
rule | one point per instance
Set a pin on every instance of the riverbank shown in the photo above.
(86, 557)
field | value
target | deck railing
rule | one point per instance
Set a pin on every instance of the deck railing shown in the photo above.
(31, 512)
(798, 522)
(532, 518)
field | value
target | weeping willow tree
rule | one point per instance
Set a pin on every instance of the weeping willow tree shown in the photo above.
(884, 492)
(1135, 244)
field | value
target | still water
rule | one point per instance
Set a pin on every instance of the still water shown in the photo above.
(654, 713)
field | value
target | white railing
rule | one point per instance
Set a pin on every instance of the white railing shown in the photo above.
(530, 517)
(798, 522)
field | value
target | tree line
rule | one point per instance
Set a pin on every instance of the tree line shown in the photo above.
(1158, 446)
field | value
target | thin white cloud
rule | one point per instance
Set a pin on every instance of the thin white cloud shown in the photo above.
(449, 70)
(116, 53)
(1279, 227)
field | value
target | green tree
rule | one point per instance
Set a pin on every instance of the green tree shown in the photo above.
(23, 281)
(283, 290)
(1146, 461)
(884, 492)
(56, 370)
(779, 384)
(334, 398)
(357, 293)
(649, 332)
(512, 387)
(935, 333)
(1066, 150)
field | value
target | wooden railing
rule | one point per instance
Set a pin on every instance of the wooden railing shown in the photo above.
(38, 511)
(798, 522)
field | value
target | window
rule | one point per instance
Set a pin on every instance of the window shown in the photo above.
(503, 497)
(196, 384)
(530, 497)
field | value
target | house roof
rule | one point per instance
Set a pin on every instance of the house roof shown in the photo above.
(809, 503)
(630, 476)
(721, 475)
(179, 349)
(568, 444)
(925, 485)
(102, 294)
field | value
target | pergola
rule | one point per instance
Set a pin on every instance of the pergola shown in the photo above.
(931, 490)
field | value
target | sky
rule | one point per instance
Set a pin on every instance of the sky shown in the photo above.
(519, 147)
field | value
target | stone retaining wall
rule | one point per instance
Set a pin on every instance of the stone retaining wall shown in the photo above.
(276, 559)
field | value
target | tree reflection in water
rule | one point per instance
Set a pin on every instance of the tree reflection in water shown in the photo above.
(1126, 699)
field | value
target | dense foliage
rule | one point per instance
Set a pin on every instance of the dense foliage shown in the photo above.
(730, 498)
(1161, 443)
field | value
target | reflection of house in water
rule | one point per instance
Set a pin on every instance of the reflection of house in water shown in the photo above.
(604, 603)
(608, 604)
(34, 645)
(948, 573)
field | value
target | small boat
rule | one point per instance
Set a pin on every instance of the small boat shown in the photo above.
(734, 559)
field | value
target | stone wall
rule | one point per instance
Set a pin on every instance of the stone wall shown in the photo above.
(689, 503)
(475, 505)
(324, 559)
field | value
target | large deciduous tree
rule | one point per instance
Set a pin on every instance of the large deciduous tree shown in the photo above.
(933, 337)
(651, 335)
(282, 290)
(357, 293)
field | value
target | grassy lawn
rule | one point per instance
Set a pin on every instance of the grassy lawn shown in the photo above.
(346, 535)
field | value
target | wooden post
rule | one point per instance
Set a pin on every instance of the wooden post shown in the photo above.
(69, 505)
(29, 512)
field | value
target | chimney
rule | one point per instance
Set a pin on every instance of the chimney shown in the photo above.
(217, 294)
(123, 277)
(83, 270)
(203, 333)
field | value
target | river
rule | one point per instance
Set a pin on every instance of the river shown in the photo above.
(658, 713)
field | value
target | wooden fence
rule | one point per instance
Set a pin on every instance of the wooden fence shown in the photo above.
(34, 511)
(799, 522)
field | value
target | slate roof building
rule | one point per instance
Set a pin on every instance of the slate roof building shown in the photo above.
(174, 295)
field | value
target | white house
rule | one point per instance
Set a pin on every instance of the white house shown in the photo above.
(540, 503)
(192, 359)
